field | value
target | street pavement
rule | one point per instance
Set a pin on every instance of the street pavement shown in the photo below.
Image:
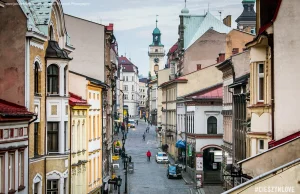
(149, 177)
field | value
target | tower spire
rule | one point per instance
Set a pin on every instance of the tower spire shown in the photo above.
(184, 3)
(156, 21)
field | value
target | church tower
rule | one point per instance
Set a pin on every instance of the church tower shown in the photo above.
(248, 17)
(156, 53)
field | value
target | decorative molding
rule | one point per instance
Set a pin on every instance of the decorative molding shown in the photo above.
(37, 44)
(54, 175)
(38, 59)
(37, 179)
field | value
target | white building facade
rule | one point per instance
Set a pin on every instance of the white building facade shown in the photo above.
(129, 76)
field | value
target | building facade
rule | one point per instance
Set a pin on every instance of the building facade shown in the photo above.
(14, 123)
(129, 75)
(143, 96)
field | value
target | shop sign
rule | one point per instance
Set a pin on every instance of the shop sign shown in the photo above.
(199, 163)
(190, 150)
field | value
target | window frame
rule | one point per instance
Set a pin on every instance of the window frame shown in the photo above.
(52, 190)
(52, 133)
(260, 76)
(50, 80)
(210, 124)
(36, 139)
(259, 145)
(2, 172)
(21, 168)
(11, 173)
(36, 78)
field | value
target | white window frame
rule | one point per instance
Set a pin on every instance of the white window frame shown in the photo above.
(11, 171)
(125, 87)
(260, 75)
(258, 145)
(2, 172)
(21, 166)
(125, 96)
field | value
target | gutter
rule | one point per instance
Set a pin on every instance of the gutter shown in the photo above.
(70, 152)
(271, 43)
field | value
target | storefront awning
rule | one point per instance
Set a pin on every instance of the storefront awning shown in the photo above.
(180, 144)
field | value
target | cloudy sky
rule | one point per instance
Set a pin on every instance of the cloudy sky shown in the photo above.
(134, 20)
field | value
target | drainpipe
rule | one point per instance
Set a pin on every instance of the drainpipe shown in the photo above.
(36, 117)
(166, 114)
(101, 97)
(185, 136)
(271, 43)
(70, 152)
(45, 136)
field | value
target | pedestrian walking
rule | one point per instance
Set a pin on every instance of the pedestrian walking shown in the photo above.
(144, 136)
(148, 155)
(137, 122)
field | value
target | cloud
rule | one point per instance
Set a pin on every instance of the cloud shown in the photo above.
(134, 20)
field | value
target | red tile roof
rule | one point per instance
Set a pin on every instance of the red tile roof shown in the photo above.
(211, 93)
(126, 64)
(173, 48)
(77, 100)
(274, 143)
(11, 109)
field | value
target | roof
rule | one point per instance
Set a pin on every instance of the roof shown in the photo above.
(77, 100)
(215, 92)
(143, 80)
(127, 65)
(247, 14)
(274, 143)
(177, 80)
(11, 109)
(156, 31)
(54, 51)
(292, 163)
(197, 25)
(240, 80)
(95, 81)
(173, 48)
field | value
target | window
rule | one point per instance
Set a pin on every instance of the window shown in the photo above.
(65, 185)
(126, 78)
(261, 144)
(52, 186)
(1, 133)
(21, 168)
(132, 97)
(65, 80)
(132, 87)
(156, 50)
(52, 79)
(36, 188)
(11, 171)
(212, 125)
(126, 97)
(36, 139)
(2, 173)
(66, 135)
(36, 78)
(94, 127)
(261, 77)
(52, 133)
(125, 87)
(51, 33)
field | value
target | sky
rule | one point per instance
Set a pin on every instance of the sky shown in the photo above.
(134, 20)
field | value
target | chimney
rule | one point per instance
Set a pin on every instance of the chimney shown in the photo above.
(227, 21)
(198, 67)
(121, 55)
(221, 57)
(235, 51)
(218, 60)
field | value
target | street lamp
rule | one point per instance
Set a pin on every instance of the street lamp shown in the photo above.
(125, 172)
(119, 183)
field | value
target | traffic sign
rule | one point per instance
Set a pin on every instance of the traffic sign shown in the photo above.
(115, 157)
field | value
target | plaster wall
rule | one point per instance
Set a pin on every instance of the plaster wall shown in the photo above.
(13, 27)
(204, 51)
(260, 123)
(265, 161)
(200, 143)
(241, 64)
(257, 54)
(199, 80)
(286, 69)
(88, 39)
(77, 85)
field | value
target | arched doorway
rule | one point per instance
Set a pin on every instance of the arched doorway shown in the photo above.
(212, 164)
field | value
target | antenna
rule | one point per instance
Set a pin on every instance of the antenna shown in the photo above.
(220, 12)
(184, 3)
(156, 21)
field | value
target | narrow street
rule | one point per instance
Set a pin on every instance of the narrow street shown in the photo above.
(149, 177)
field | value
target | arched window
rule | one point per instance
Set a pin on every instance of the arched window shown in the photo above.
(36, 78)
(52, 79)
(51, 33)
(212, 125)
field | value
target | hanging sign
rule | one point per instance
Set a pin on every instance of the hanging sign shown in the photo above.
(199, 163)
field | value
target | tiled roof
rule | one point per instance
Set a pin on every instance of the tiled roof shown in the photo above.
(178, 80)
(126, 64)
(11, 109)
(197, 25)
(173, 48)
(274, 143)
(211, 93)
(77, 100)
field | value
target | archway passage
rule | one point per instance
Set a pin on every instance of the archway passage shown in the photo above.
(212, 162)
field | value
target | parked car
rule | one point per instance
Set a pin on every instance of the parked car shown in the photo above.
(174, 171)
(161, 157)
(131, 123)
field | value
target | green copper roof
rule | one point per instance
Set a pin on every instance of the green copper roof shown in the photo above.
(156, 31)
(185, 11)
(248, 1)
